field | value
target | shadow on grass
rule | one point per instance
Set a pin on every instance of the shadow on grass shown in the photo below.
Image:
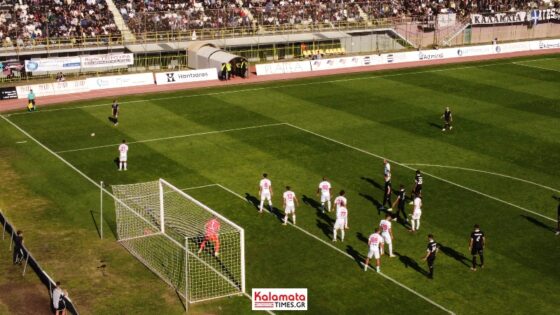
(539, 223)
(318, 208)
(362, 237)
(256, 203)
(326, 228)
(375, 203)
(448, 251)
(411, 263)
(95, 223)
(433, 124)
(117, 162)
(358, 258)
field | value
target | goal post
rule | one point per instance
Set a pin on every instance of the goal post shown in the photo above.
(165, 229)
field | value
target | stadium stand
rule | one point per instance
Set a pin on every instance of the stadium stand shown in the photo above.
(24, 22)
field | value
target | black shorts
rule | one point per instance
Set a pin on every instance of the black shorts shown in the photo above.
(61, 305)
(431, 259)
(418, 189)
(476, 251)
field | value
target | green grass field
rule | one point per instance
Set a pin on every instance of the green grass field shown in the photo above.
(498, 167)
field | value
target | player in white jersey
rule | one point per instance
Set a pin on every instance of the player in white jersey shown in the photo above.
(375, 243)
(265, 192)
(416, 213)
(387, 233)
(290, 202)
(123, 155)
(387, 169)
(341, 222)
(325, 190)
(341, 201)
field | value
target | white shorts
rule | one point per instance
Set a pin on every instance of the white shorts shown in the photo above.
(387, 237)
(339, 224)
(265, 195)
(325, 197)
(373, 252)
(290, 209)
(417, 214)
(122, 158)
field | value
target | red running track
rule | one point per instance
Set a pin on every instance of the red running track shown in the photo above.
(10, 105)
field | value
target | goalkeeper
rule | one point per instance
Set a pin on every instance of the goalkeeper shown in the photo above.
(212, 228)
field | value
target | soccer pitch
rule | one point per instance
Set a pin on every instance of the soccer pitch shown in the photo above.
(498, 167)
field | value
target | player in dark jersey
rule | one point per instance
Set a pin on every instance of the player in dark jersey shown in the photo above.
(430, 257)
(115, 112)
(448, 118)
(400, 202)
(418, 182)
(387, 191)
(476, 246)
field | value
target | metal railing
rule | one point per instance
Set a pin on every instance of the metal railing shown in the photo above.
(9, 231)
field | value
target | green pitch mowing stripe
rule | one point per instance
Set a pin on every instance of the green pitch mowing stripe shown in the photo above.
(345, 280)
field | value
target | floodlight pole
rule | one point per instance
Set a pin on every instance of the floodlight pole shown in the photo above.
(101, 209)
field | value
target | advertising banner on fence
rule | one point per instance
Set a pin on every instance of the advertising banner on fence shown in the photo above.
(8, 93)
(545, 44)
(53, 64)
(119, 81)
(345, 62)
(44, 89)
(186, 76)
(70, 87)
(545, 15)
(57, 88)
(110, 60)
(283, 67)
(78, 62)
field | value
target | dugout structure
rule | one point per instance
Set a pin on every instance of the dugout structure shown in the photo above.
(163, 227)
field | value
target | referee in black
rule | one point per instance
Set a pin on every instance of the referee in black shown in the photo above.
(430, 257)
(476, 246)
(448, 118)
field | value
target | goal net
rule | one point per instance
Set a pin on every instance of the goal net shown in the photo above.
(165, 229)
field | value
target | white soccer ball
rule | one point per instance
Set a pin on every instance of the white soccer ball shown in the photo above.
(93, 134)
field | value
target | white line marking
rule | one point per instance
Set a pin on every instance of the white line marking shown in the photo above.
(20, 142)
(274, 87)
(347, 255)
(173, 137)
(520, 63)
(198, 187)
(485, 172)
(68, 164)
(425, 173)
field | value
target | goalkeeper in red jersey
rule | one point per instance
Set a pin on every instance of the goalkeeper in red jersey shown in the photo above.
(212, 229)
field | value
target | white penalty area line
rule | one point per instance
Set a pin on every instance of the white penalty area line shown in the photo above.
(78, 171)
(521, 63)
(484, 172)
(372, 77)
(172, 137)
(426, 173)
(337, 249)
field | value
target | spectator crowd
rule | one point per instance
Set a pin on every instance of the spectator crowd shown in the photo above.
(25, 21)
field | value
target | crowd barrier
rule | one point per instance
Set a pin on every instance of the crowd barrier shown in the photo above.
(400, 57)
(9, 230)
(108, 82)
